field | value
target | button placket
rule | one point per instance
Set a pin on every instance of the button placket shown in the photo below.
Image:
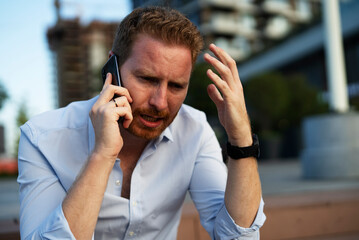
(118, 182)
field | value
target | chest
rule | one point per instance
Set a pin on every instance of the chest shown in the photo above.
(157, 185)
(127, 166)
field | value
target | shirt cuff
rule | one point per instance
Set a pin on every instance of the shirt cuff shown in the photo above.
(56, 226)
(226, 228)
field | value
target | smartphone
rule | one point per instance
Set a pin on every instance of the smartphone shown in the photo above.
(111, 66)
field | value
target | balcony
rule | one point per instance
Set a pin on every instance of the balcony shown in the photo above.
(230, 24)
(238, 48)
(217, 3)
(301, 14)
(221, 24)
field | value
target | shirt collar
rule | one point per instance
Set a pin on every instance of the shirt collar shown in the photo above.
(165, 135)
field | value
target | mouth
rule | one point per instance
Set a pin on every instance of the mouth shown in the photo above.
(150, 121)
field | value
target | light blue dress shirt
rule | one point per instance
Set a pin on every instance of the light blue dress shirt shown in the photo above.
(54, 146)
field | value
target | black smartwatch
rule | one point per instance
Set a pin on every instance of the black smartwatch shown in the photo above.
(235, 152)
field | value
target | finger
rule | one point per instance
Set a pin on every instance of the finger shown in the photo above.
(220, 84)
(125, 113)
(227, 61)
(225, 58)
(121, 101)
(215, 95)
(111, 91)
(223, 70)
(122, 92)
(125, 110)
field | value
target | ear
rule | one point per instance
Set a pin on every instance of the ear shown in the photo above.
(110, 54)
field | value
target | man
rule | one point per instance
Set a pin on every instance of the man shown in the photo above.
(102, 178)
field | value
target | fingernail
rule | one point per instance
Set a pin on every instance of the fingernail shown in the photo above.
(108, 74)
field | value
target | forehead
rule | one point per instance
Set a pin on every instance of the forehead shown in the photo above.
(154, 54)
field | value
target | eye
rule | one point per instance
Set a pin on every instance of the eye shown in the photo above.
(148, 79)
(176, 86)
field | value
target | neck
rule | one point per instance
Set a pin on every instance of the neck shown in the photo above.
(132, 145)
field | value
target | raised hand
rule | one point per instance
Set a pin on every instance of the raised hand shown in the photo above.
(227, 94)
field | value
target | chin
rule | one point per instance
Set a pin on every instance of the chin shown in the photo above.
(145, 133)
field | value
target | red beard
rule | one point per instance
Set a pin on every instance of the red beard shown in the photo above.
(148, 123)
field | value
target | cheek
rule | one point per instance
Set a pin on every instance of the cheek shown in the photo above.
(175, 103)
(138, 94)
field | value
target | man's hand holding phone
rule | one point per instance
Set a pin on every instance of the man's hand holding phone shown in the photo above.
(112, 104)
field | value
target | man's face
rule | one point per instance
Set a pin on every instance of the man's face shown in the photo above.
(157, 76)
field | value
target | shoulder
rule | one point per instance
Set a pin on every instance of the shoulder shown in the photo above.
(75, 115)
(189, 113)
(190, 121)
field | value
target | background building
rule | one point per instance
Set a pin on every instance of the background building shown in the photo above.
(284, 36)
(243, 27)
(304, 52)
(79, 53)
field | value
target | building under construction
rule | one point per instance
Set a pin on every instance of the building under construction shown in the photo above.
(79, 52)
(243, 28)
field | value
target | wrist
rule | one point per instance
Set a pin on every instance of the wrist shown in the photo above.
(103, 158)
(242, 139)
(239, 152)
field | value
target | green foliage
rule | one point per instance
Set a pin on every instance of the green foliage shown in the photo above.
(277, 102)
(354, 103)
(22, 115)
(305, 100)
(3, 95)
(268, 98)
(21, 118)
(197, 96)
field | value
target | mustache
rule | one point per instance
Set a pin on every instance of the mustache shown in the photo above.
(151, 112)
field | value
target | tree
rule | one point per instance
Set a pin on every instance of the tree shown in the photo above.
(22, 117)
(3, 95)
(277, 102)
(197, 96)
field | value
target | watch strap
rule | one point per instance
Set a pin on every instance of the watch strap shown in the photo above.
(236, 152)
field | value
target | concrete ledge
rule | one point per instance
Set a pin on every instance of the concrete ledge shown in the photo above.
(190, 227)
(331, 215)
(331, 146)
(9, 230)
(320, 215)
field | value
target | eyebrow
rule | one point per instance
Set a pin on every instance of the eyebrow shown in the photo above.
(148, 74)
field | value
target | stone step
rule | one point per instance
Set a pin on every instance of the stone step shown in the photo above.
(314, 215)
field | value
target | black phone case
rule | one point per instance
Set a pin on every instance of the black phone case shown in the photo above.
(111, 66)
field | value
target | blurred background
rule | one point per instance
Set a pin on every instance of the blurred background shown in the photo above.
(52, 52)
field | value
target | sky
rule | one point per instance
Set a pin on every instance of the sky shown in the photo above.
(26, 65)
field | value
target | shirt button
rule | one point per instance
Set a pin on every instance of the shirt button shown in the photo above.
(134, 203)
(131, 233)
(118, 183)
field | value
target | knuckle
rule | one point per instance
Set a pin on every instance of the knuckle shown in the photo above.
(123, 98)
(126, 92)
(223, 85)
(227, 71)
(93, 111)
(232, 62)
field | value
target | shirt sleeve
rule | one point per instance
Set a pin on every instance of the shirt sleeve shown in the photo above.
(41, 193)
(207, 190)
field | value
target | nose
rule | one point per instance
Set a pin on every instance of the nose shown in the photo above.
(158, 98)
